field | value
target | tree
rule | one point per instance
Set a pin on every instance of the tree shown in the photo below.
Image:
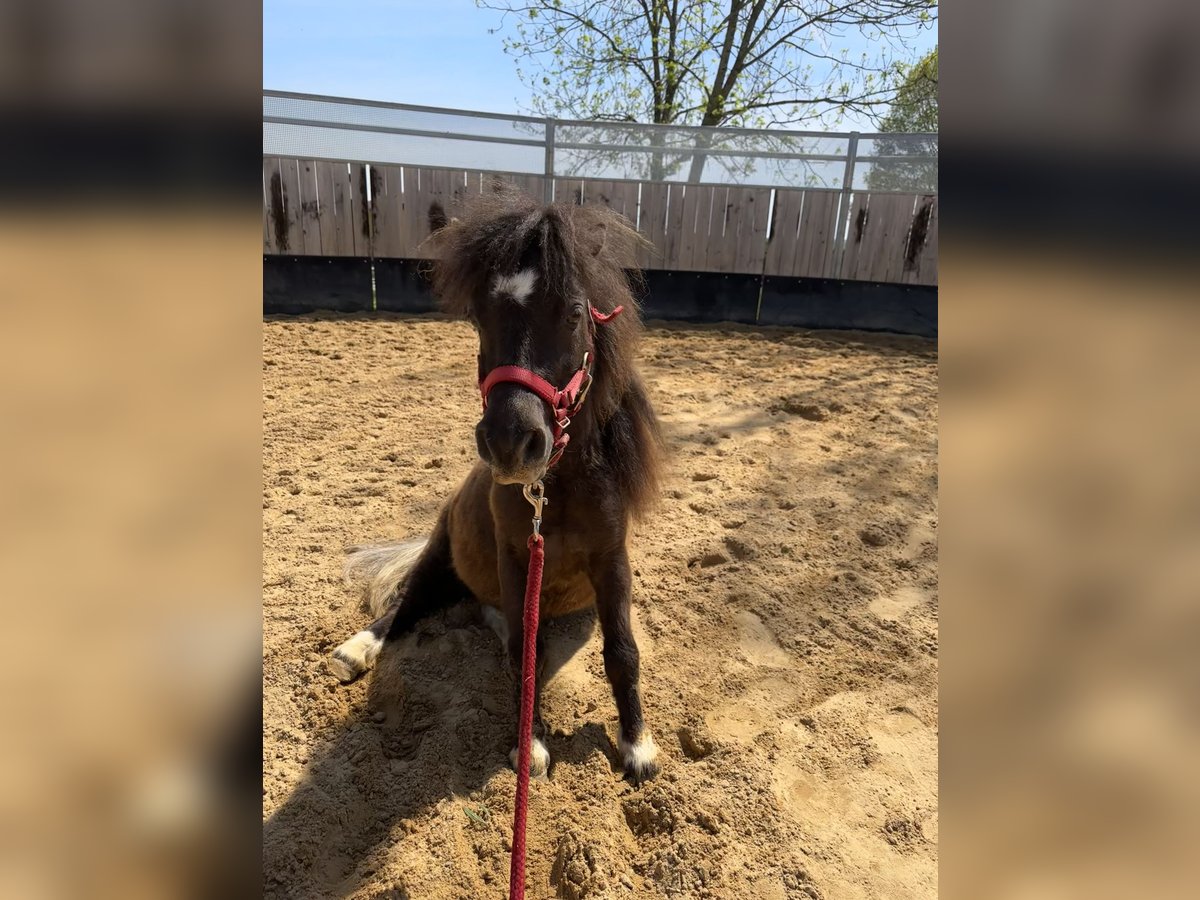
(707, 62)
(914, 111)
(915, 107)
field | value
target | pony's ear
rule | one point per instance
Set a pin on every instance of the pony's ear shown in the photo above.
(599, 238)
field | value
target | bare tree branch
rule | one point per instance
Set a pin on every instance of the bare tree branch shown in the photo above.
(710, 62)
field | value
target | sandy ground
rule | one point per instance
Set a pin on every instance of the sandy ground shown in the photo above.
(786, 604)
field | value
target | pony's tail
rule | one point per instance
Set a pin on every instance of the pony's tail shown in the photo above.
(381, 569)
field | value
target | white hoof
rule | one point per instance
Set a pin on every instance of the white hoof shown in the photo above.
(639, 759)
(539, 759)
(355, 656)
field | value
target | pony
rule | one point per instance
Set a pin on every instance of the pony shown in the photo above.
(547, 289)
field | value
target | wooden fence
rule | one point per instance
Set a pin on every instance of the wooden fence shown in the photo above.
(318, 208)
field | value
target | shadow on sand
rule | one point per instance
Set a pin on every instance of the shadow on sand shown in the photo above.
(438, 721)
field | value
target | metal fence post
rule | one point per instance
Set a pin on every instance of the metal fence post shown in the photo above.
(844, 206)
(548, 186)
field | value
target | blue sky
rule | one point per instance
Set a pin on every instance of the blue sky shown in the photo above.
(431, 52)
(435, 52)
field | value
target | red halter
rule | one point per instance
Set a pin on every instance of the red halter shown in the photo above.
(564, 403)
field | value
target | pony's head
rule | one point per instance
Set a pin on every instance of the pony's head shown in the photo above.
(528, 278)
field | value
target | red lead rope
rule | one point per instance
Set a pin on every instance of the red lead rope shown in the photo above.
(563, 404)
(533, 596)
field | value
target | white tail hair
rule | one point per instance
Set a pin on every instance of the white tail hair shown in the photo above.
(382, 568)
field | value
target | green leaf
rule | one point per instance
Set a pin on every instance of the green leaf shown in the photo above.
(474, 816)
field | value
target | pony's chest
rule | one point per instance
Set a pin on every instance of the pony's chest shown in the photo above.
(566, 586)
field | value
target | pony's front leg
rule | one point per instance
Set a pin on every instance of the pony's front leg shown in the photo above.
(512, 587)
(613, 580)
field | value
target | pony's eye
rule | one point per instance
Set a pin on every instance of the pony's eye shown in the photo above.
(575, 315)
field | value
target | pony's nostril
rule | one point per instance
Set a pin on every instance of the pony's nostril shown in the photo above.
(533, 446)
(481, 444)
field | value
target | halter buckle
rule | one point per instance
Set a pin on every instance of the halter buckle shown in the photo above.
(587, 381)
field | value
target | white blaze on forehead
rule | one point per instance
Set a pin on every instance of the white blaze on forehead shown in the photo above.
(519, 285)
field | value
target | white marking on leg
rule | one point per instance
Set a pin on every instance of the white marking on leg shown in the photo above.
(519, 285)
(496, 622)
(355, 656)
(539, 758)
(639, 759)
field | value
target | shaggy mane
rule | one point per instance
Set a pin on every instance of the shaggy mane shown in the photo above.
(588, 249)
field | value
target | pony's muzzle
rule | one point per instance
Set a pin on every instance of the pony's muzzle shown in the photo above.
(513, 437)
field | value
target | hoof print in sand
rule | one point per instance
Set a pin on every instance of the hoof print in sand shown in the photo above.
(581, 871)
(696, 743)
(795, 406)
(649, 815)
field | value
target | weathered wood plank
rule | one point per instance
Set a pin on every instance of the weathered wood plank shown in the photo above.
(447, 189)
(750, 209)
(461, 187)
(929, 264)
(412, 214)
(868, 251)
(722, 232)
(291, 238)
(705, 203)
(629, 207)
(879, 208)
(921, 257)
(697, 211)
(673, 230)
(829, 261)
(361, 209)
(356, 211)
(781, 249)
(619, 196)
(898, 261)
(310, 228)
(337, 194)
(809, 234)
(652, 224)
(790, 253)
(428, 204)
(878, 243)
(895, 239)
(326, 214)
(816, 241)
(441, 189)
(888, 262)
(271, 191)
(412, 202)
(684, 226)
(858, 218)
(387, 200)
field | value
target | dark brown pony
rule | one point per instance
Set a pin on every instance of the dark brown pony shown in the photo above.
(526, 276)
